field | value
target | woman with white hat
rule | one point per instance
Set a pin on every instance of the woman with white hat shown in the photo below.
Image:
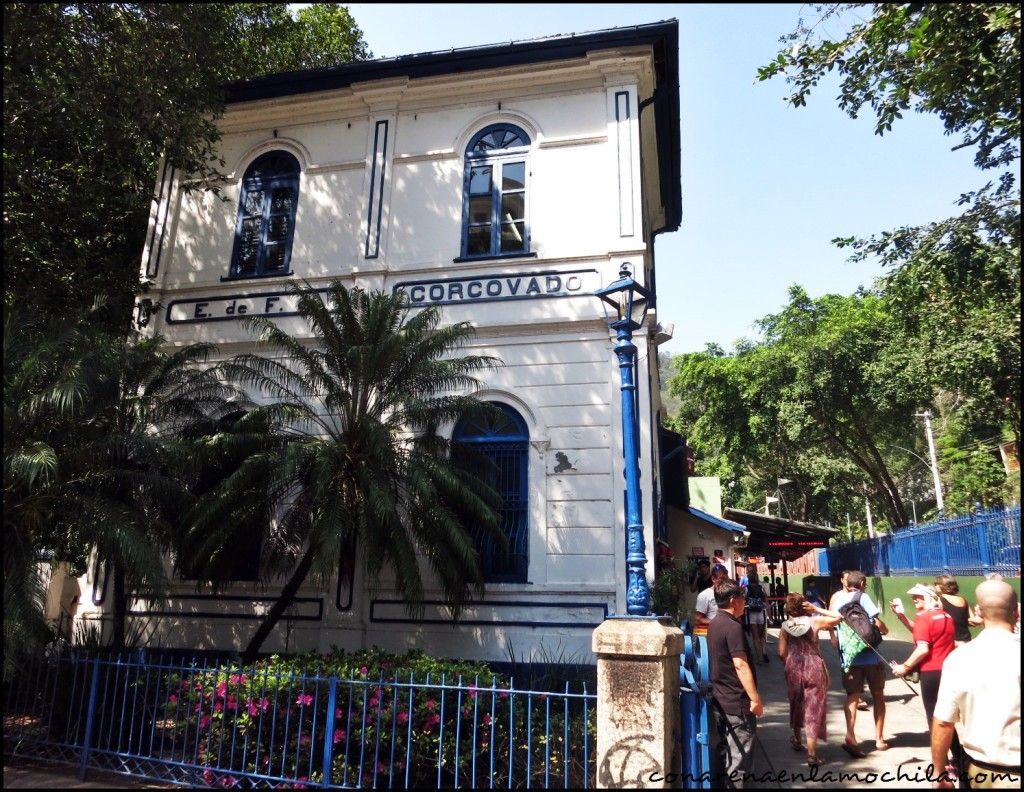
(933, 641)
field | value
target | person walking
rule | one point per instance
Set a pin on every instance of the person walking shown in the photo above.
(979, 696)
(754, 616)
(956, 606)
(860, 663)
(705, 608)
(733, 688)
(933, 641)
(806, 674)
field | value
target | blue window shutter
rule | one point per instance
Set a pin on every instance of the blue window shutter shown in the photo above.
(266, 217)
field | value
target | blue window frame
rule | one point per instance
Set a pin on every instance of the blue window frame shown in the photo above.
(266, 217)
(494, 193)
(501, 439)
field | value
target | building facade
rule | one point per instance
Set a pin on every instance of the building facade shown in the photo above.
(505, 184)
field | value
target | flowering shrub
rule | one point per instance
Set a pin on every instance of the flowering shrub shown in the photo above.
(395, 720)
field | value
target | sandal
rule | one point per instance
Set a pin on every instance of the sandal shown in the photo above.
(853, 751)
(813, 761)
(795, 742)
(882, 746)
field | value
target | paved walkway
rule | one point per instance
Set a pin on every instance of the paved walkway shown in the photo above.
(902, 766)
(36, 775)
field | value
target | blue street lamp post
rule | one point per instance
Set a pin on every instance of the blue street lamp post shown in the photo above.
(630, 301)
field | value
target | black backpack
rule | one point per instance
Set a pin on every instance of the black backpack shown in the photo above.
(859, 621)
(755, 598)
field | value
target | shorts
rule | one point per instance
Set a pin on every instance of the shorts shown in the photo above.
(755, 617)
(873, 674)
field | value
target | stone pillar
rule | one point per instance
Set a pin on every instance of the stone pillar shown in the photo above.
(637, 702)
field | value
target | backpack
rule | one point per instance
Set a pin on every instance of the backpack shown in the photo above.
(755, 600)
(858, 620)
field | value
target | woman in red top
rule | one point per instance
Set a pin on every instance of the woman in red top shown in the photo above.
(933, 641)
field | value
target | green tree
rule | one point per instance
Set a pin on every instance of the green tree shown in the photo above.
(353, 462)
(953, 286)
(96, 451)
(94, 95)
(818, 401)
(960, 61)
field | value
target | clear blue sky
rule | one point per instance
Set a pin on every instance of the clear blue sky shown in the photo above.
(765, 186)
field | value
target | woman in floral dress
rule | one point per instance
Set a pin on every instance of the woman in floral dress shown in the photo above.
(806, 674)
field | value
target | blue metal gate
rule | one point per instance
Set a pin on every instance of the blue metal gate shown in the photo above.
(694, 712)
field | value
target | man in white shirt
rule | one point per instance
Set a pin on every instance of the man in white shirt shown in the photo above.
(706, 607)
(979, 695)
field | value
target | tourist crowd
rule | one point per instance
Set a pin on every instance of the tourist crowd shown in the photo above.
(970, 689)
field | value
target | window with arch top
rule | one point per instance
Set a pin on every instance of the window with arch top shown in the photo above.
(266, 216)
(496, 444)
(494, 205)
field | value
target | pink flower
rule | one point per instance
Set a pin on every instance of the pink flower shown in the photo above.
(431, 704)
(228, 781)
(430, 722)
(238, 679)
(487, 719)
(232, 702)
(402, 717)
(374, 701)
(503, 694)
(305, 739)
(222, 689)
(381, 768)
(208, 776)
(363, 671)
(204, 721)
(338, 714)
(218, 707)
(472, 692)
(339, 735)
(253, 707)
(197, 707)
(300, 786)
(304, 699)
(173, 698)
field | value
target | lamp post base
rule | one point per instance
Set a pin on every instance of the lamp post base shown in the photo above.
(637, 701)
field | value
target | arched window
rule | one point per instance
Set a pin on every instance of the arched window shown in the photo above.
(266, 216)
(494, 205)
(502, 440)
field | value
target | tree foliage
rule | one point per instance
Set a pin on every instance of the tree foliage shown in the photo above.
(817, 401)
(96, 451)
(353, 462)
(95, 94)
(960, 61)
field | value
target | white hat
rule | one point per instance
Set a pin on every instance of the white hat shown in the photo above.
(931, 599)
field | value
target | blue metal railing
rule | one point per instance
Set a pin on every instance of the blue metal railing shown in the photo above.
(972, 544)
(694, 712)
(205, 725)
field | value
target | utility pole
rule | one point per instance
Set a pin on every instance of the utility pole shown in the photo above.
(871, 525)
(931, 455)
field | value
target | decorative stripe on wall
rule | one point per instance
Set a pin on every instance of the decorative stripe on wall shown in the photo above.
(496, 614)
(376, 197)
(624, 143)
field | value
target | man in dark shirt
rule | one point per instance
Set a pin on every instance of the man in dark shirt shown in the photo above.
(733, 687)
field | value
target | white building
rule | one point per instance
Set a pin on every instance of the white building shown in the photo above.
(505, 183)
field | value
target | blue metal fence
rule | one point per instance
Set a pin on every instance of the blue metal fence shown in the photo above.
(204, 725)
(694, 713)
(972, 544)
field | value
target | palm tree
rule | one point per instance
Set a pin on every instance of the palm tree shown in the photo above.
(96, 430)
(353, 457)
(132, 466)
